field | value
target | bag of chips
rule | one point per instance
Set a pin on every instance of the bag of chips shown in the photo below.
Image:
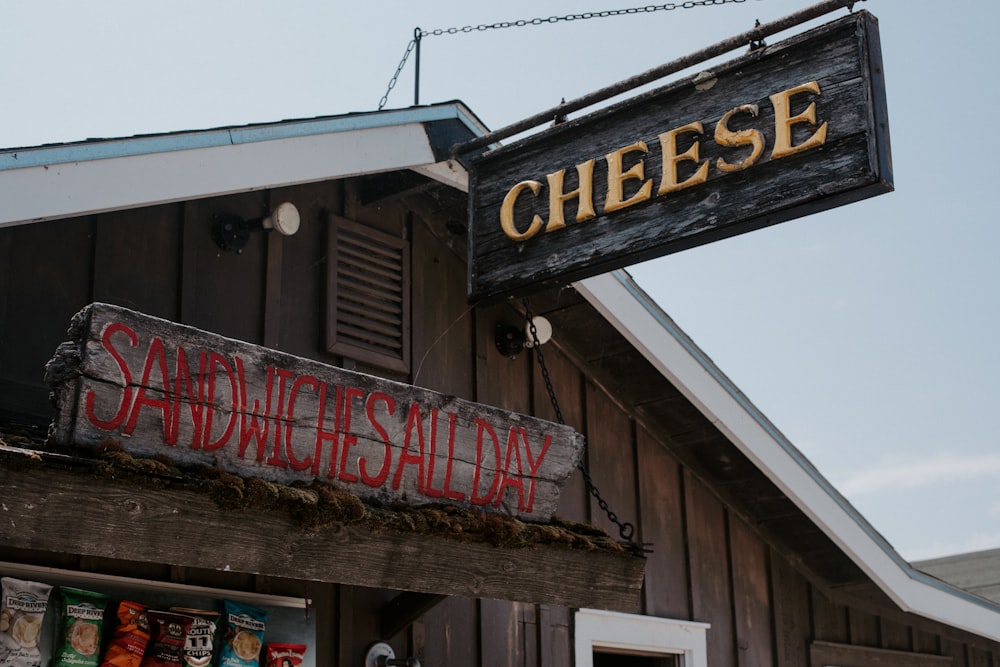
(200, 642)
(285, 655)
(131, 636)
(22, 610)
(167, 637)
(245, 627)
(82, 618)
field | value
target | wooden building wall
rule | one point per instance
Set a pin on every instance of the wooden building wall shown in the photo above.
(709, 563)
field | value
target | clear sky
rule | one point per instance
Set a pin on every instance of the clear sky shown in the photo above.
(867, 334)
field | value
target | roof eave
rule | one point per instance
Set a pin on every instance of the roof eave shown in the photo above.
(676, 356)
(69, 180)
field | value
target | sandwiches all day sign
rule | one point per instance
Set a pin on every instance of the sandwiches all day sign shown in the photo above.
(782, 132)
(162, 388)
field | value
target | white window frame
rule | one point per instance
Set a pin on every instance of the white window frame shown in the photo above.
(633, 633)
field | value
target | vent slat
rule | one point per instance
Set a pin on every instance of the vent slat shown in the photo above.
(374, 340)
(365, 257)
(369, 244)
(368, 324)
(363, 271)
(378, 292)
(390, 316)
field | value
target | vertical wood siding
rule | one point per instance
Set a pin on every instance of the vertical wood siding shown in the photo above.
(709, 564)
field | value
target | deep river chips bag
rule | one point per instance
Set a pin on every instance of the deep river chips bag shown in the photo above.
(131, 636)
(244, 635)
(82, 618)
(167, 636)
(22, 609)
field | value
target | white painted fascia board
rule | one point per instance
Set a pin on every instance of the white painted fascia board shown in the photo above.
(205, 168)
(664, 345)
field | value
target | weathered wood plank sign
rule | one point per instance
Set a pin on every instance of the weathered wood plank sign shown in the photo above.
(784, 131)
(200, 398)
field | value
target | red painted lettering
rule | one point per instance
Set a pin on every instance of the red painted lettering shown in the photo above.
(292, 395)
(413, 421)
(155, 356)
(390, 407)
(511, 480)
(475, 498)
(275, 458)
(126, 400)
(333, 437)
(256, 429)
(349, 438)
(533, 466)
(448, 493)
(216, 360)
(429, 489)
(184, 393)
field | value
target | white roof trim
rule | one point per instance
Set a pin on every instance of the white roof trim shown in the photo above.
(81, 179)
(644, 324)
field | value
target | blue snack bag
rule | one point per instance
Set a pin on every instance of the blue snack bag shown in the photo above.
(244, 636)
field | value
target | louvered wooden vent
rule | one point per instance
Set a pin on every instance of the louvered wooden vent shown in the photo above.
(368, 316)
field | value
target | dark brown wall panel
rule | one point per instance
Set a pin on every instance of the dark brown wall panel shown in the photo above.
(661, 489)
(711, 591)
(895, 635)
(790, 593)
(295, 304)
(223, 291)
(555, 626)
(567, 382)
(49, 278)
(751, 596)
(137, 260)
(864, 628)
(442, 356)
(451, 633)
(829, 619)
(610, 457)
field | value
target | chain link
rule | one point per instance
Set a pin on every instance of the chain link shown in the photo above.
(520, 23)
(625, 529)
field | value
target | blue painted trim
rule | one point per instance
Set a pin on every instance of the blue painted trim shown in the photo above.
(103, 149)
(696, 353)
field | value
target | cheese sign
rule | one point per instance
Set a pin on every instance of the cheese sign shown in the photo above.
(164, 389)
(781, 132)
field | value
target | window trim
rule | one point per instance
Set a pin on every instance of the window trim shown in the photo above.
(634, 633)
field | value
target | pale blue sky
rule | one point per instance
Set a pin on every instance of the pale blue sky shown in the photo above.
(866, 334)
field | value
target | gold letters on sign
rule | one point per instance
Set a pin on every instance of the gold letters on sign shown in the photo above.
(669, 179)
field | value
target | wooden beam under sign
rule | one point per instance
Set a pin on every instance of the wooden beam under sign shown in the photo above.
(63, 504)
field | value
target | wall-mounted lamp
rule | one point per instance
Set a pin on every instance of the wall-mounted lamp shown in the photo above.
(511, 340)
(232, 232)
(381, 654)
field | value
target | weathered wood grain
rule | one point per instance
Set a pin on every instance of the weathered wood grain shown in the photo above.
(826, 653)
(165, 389)
(55, 508)
(851, 164)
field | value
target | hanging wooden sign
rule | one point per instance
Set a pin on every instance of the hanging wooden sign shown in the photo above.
(782, 132)
(201, 399)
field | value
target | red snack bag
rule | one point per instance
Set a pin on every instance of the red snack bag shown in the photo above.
(285, 655)
(131, 636)
(167, 638)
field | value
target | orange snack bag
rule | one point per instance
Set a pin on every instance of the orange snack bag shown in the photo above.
(131, 636)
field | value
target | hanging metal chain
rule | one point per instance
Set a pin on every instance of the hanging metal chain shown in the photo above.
(625, 529)
(418, 34)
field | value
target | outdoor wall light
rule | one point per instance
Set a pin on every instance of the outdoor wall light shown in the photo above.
(232, 232)
(511, 340)
(381, 654)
